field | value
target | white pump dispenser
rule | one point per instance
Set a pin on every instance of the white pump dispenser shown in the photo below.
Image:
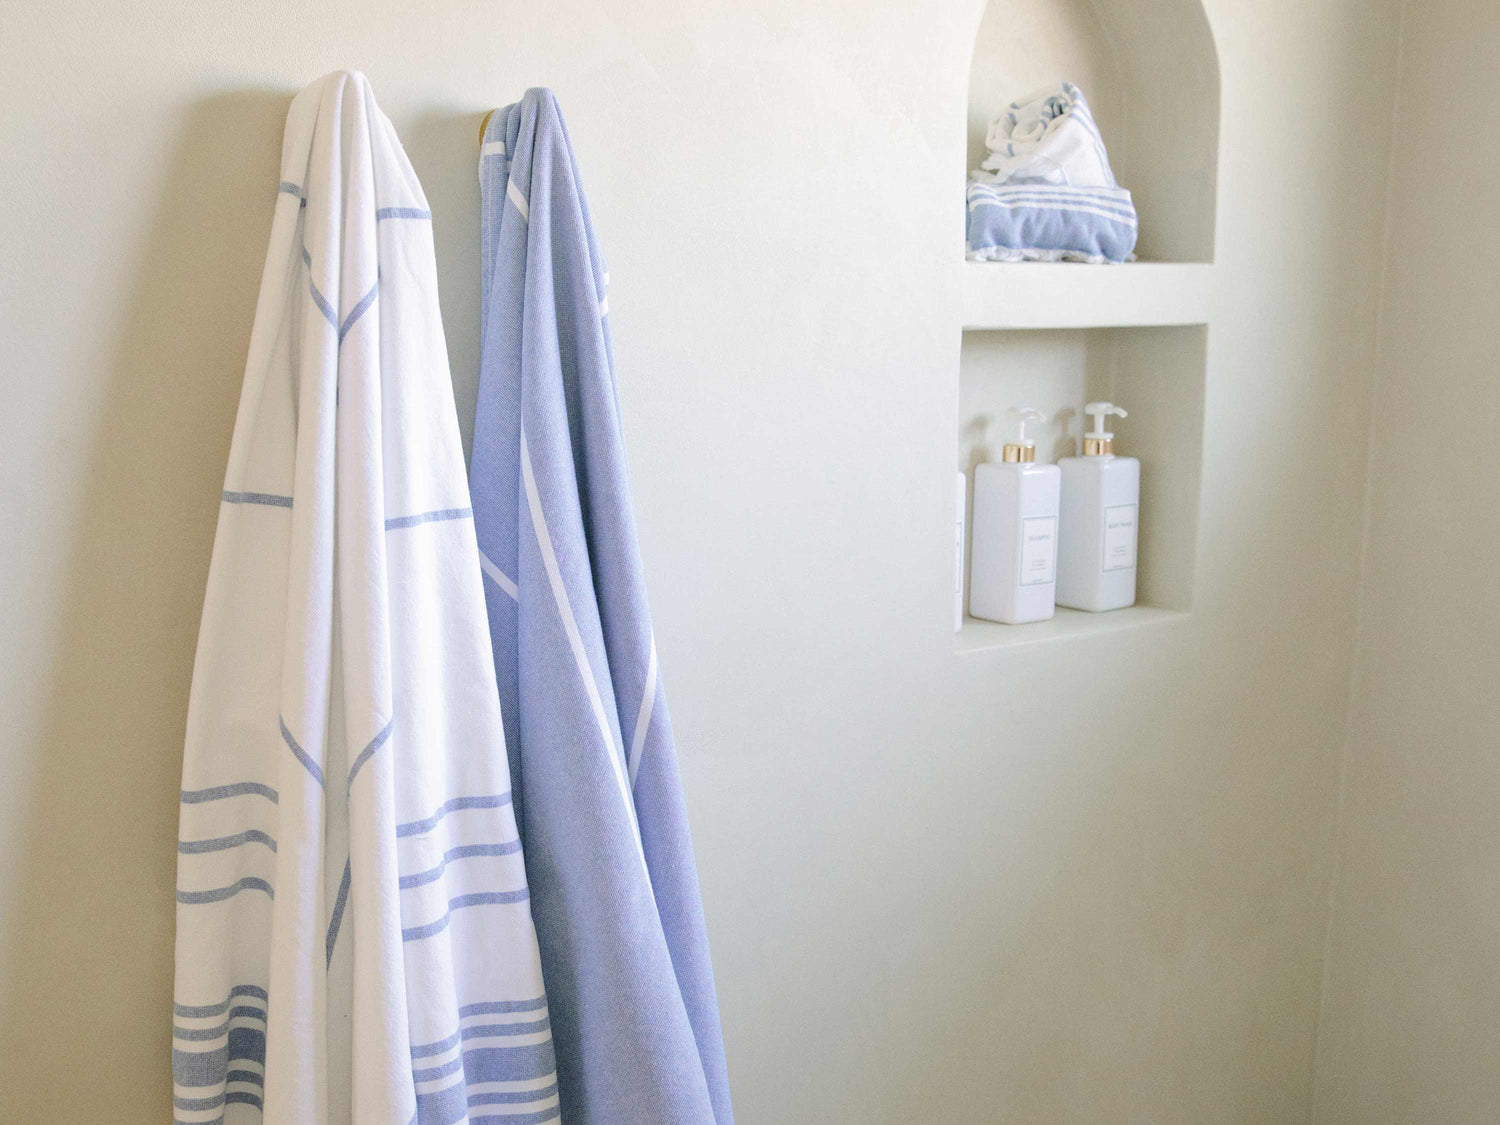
(1021, 449)
(1099, 441)
(1096, 536)
(1013, 571)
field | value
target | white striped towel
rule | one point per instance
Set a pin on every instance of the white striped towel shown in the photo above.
(354, 934)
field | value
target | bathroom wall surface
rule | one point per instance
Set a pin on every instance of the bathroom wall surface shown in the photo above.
(1067, 882)
(1409, 1029)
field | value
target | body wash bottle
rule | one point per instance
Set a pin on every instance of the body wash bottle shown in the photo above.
(1096, 537)
(1013, 569)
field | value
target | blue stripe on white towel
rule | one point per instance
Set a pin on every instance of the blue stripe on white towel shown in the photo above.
(509, 1064)
(268, 499)
(463, 902)
(223, 843)
(1119, 201)
(466, 851)
(341, 901)
(497, 1030)
(302, 755)
(537, 1118)
(439, 515)
(359, 310)
(456, 804)
(364, 755)
(199, 1011)
(219, 894)
(402, 213)
(497, 1007)
(230, 1062)
(318, 299)
(223, 792)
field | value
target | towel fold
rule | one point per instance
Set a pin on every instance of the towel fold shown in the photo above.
(354, 937)
(1046, 191)
(1048, 137)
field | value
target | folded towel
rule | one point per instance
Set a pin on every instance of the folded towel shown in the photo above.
(354, 936)
(1049, 137)
(1026, 222)
(1046, 192)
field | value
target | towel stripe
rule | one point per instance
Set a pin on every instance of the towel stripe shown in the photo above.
(402, 213)
(302, 755)
(495, 1030)
(515, 196)
(358, 310)
(338, 911)
(364, 755)
(498, 576)
(269, 499)
(440, 515)
(198, 1011)
(221, 792)
(466, 851)
(418, 827)
(538, 1118)
(514, 1097)
(223, 843)
(318, 299)
(490, 898)
(502, 1007)
(219, 894)
(575, 642)
(643, 716)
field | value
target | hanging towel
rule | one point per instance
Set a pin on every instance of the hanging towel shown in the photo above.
(1046, 191)
(614, 888)
(354, 937)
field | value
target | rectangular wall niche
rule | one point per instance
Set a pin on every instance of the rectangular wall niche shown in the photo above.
(1156, 373)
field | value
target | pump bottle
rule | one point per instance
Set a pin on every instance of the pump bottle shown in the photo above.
(1013, 567)
(1096, 536)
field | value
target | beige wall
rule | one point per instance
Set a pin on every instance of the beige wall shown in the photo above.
(1410, 1030)
(1073, 882)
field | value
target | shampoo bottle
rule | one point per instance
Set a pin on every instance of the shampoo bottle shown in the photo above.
(1096, 538)
(1013, 566)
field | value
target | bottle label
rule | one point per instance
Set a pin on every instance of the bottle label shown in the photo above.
(1119, 537)
(1038, 550)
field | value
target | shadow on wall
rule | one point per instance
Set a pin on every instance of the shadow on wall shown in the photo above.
(87, 991)
(90, 971)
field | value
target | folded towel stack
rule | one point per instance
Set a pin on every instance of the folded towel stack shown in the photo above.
(1046, 191)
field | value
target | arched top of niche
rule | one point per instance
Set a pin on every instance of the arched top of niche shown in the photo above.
(1151, 73)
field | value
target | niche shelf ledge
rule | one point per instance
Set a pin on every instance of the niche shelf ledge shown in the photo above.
(1001, 295)
(986, 636)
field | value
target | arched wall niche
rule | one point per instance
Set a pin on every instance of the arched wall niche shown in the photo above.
(1151, 73)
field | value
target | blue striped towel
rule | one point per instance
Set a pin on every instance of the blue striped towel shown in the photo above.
(609, 860)
(1041, 222)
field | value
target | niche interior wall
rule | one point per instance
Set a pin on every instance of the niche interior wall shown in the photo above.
(1054, 335)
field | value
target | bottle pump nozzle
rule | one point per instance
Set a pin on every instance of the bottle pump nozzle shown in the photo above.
(1022, 449)
(1099, 441)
